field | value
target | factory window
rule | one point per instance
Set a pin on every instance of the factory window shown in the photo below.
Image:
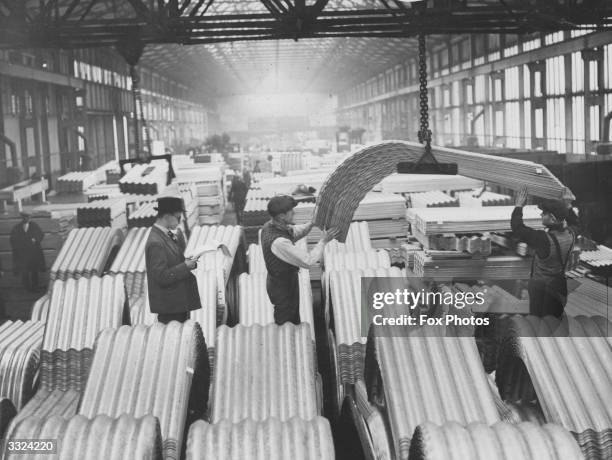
(555, 37)
(499, 123)
(555, 76)
(594, 112)
(578, 124)
(527, 120)
(537, 84)
(555, 117)
(526, 84)
(479, 82)
(539, 123)
(493, 47)
(469, 94)
(532, 44)
(28, 103)
(15, 104)
(607, 66)
(513, 126)
(80, 140)
(511, 81)
(593, 74)
(577, 73)
(498, 85)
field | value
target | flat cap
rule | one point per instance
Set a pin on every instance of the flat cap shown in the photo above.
(557, 208)
(281, 204)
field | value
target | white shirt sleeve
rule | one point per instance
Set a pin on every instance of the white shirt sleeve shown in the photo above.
(286, 251)
(299, 231)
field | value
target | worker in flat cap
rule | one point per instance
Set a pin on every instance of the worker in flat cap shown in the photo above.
(28, 257)
(553, 251)
(283, 259)
(173, 289)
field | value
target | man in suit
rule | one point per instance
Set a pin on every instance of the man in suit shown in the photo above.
(28, 257)
(173, 289)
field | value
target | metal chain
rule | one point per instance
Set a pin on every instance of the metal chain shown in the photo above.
(424, 131)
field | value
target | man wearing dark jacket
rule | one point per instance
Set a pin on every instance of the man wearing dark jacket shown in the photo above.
(237, 196)
(173, 289)
(283, 259)
(553, 248)
(28, 257)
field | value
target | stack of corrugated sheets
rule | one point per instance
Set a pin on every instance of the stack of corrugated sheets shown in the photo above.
(79, 310)
(565, 366)
(130, 260)
(143, 216)
(357, 240)
(357, 260)
(76, 182)
(500, 267)
(291, 161)
(102, 192)
(287, 185)
(408, 251)
(100, 438)
(433, 199)
(601, 257)
(377, 229)
(472, 200)
(502, 441)
(85, 252)
(589, 298)
(595, 445)
(271, 438)
(103, 213)
(470, 244)
(20, 344)
(254, 306)
(149, 179)
(255, 212)
(161, 370)
(412, 183)
(348, 184)
(427, 379)
(210, 190)
(40, 309)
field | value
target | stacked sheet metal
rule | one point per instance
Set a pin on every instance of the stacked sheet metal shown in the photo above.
(130, 260)
(601, 257)
(475, 199)
(502, 441)
(408, 251)
(502, 267)
(105, 213)
(103, 192)
(254, 306)
(100, 438)
(569, 375)
(148, 179)
(40, 309)
(433, 199)
(255, 259)
(20, 344)
(427, 379)
(143, 216)
(287, 185)
(357, 240)
(589, 298)
(76, 182)
(210, 190)
(255, 212)
(291, 161)
(250, 440)
(357, 260)
(263, 372)
(85, 252)
(595, 445)
(471, 244)
(161, 370)
(411, 183)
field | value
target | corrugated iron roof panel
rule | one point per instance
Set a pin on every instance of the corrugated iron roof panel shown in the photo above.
(595, 445)
(131, 255)
(40, 309)
(20, 344)
(250, 440)
(357, 260)
(47, 403)
(85, 252)
(264, 371)
(80, 309)
(144, 370)
(254, 306)
(230, 236)
(357, 240)
(571, 376)
(99, 438)
(502, 441)
(429, 379)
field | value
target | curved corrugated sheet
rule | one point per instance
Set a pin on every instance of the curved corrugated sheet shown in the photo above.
(85, 252)
(595, 445)
(254, 306)
(428, 379)
(99, 438)
(256, 260)
(40, 309)
(80, 309)
(502, 441)
(207, 315)
(270, 439)
(47, 403)
(144, 370)
(19, 359)
(357, 240)
(131, 255)
(571, 376)
(264, 371)
(230, 236)
(357, 260)
(7, 412)
(140, 311)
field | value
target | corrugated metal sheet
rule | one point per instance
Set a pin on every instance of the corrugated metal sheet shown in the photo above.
(432, 199)
(357, 240)
(435, 379)
(40, 309)
(255, 259)
(230, 236)
(99, 438)
(85, 252)
(595, 445)
(264, 371)
(149, 370)
(254, 306)
(147, 178)
(270, 439)
(502, 441)
(19, 359)
(571, 376)
(47, 403)
(357, 260)
(131, 255)
(80, 309)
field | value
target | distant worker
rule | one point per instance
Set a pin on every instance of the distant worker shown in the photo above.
(173, 289)
(257, 168)
(283, 259)
(237, 196)
(246, 178)
(553, 249)
(28, 257)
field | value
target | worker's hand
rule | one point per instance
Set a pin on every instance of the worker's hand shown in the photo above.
(191, 263)
(521, 197)
(330, 234)
(567, 196)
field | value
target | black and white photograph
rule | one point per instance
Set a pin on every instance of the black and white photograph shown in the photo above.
(305, 229)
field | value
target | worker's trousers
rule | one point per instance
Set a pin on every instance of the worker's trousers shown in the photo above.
(547, 297)
(284, 293)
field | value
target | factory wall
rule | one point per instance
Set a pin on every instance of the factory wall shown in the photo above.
(536, 91)
(73, 110)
